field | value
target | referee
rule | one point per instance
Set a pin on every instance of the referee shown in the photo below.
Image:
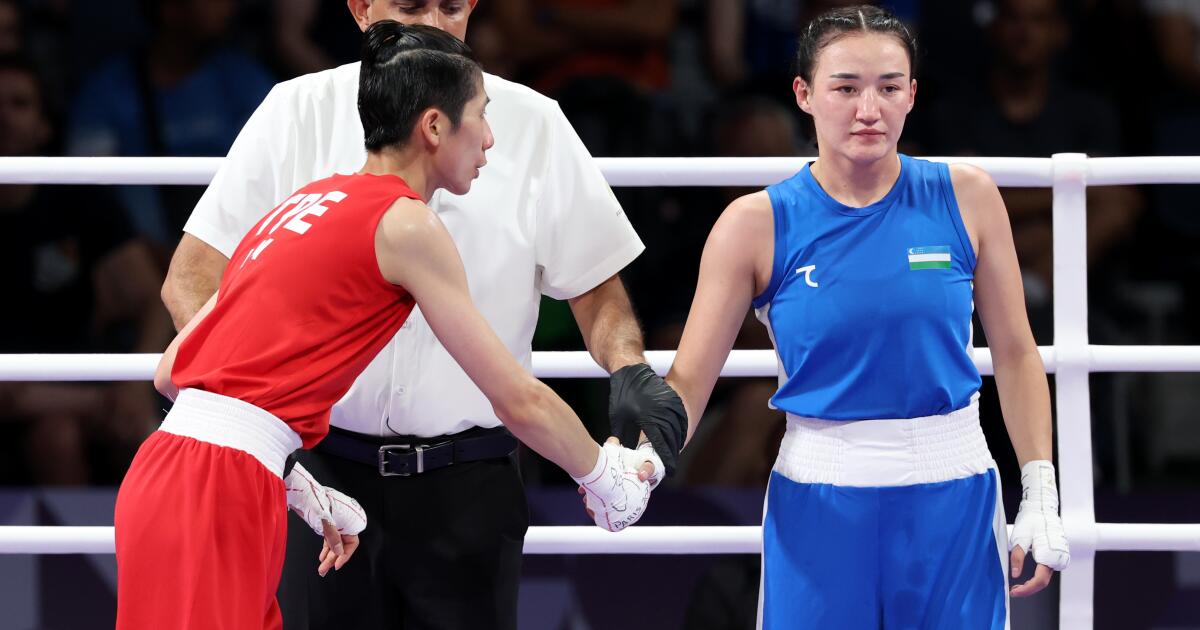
(414, 440)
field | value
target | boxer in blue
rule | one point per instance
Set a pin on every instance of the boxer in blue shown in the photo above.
(883, 509)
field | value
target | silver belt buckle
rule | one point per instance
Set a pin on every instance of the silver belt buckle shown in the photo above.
(386, 448)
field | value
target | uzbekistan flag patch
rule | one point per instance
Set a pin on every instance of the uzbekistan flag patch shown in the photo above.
(931, 257)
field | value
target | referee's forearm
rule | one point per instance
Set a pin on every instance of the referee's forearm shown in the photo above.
(193, 276)
(609, 327)
(184, 297)
(622, 345)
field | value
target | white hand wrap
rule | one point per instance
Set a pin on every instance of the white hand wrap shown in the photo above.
(615, 495)
(1039, 528)
(315, 503)
(645, 453)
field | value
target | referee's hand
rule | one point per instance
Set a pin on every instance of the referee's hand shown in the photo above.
(336, 550)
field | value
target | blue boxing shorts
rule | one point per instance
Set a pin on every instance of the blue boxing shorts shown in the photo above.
(885, 524)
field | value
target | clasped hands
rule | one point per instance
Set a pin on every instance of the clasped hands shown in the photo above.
(616, 491)
(643, 410)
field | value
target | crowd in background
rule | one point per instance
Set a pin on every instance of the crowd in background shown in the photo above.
(1027, 78)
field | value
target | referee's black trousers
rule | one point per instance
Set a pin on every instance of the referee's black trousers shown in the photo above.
(441, 551)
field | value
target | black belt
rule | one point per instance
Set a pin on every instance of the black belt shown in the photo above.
(405, 456)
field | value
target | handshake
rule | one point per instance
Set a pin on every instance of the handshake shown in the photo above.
(617, 489)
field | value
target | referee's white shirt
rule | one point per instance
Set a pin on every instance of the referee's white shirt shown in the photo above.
(539, 219)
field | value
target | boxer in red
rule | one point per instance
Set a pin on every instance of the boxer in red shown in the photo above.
(310, 296)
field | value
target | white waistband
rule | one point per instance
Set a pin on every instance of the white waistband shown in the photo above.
(233, 423)
(877, 453)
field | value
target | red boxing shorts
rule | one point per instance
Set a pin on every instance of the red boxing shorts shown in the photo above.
(201, 519)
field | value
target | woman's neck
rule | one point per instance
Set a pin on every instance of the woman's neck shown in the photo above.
(854, 184)
(407, 165)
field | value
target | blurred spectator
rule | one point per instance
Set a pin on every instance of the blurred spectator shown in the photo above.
(21, 34)
(603, 60)
(678, 222)
(953, 42)
(488, 39)
(751, 43)
(184, 94)
(12, 30)
(753, 126)
(1175, 230)
(1177, 30)
(313, 35)
(1023, 109)
(560, 41)
(1113, 38)
(77, 282)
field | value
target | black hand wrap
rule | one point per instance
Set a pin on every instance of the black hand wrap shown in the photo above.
(641, 401)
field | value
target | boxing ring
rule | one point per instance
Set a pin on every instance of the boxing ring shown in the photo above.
(1071, 359)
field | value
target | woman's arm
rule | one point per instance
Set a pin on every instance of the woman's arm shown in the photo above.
(415, 251)
(1000, 300)
(735, 266)
(162, 376)
(1020, 379)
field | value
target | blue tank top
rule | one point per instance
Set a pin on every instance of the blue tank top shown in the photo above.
(870, 308)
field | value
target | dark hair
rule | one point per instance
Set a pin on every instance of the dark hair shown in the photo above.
(407, 69)
(832, 25)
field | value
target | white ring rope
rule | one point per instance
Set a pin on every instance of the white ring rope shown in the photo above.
(1072, 358)
(579, 364)
(635, 540)
(1017, 172)
(618, 171)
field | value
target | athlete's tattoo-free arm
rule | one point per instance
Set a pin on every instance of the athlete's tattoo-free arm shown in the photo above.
(162, 375)
(1000, 300)
(610, 329)
(193, 277)
(415, 251)
(736, 256)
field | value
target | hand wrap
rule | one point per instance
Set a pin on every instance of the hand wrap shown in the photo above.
(315, 503)
(640, 401)
(1039, 528)
(614, 494)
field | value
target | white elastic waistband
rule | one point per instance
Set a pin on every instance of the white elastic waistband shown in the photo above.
(877, 453)
(233, 423)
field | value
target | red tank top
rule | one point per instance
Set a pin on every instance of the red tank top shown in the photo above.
(303, 307)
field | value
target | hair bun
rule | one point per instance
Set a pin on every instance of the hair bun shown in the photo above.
(379, 37)
(387, 38)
